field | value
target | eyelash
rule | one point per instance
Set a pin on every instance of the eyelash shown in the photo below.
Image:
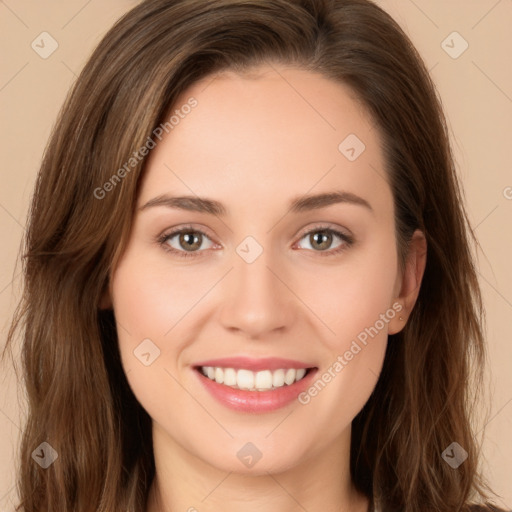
(163, 239)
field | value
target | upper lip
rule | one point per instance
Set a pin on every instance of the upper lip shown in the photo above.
(247, 363)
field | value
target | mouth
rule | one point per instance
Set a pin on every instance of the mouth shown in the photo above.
(264, 380)
(255, 385)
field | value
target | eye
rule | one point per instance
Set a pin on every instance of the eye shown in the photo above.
(189, 242)
(185, 241)
(320, 239)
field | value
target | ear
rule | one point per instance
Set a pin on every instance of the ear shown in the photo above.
(409, 281)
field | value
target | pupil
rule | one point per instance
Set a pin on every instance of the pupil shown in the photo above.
(322, 238)
(190, 241)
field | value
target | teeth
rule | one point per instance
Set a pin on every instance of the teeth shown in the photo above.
(244, 379)
(229, 376)
(263, 380)
(253, 381)
(219, 375)
(289, 376)
(278, 378)
(300, 373)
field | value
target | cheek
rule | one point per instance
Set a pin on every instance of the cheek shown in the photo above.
(354, 300)
(358, 314)
(146, 307)
(151, 302)
(350, 298)
(150, 299)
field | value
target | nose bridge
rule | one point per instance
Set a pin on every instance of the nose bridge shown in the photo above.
(255, 302)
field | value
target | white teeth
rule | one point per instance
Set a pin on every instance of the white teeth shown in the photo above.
(245, 379)
(278, 378)
(300, 373)
(229, 377)
(264, 380)
(289, 376)
(219, 375)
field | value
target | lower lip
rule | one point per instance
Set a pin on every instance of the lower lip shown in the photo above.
(256, 401)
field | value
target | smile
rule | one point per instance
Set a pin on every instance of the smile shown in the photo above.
(264, 380)
(254, 385)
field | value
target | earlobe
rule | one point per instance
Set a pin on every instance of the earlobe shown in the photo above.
(415, 264)
(399, 320)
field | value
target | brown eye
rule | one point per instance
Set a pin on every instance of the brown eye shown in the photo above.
(326, 241)
(186, 242)
(190, 241)
(320, 240)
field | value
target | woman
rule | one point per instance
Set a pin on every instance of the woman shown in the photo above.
(249, 281)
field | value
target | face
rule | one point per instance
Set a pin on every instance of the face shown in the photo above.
(283, 300)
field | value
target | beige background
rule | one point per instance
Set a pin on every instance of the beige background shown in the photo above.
(476, 89)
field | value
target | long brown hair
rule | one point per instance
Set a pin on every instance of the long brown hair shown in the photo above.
(79, 400)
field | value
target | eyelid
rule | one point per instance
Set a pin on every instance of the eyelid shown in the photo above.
(195, 228)
(324, 226)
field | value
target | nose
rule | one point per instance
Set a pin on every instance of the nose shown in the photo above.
(256, 300)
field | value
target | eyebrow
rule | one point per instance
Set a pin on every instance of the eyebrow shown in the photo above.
(296, 205)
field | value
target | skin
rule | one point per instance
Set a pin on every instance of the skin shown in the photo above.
(263, 138)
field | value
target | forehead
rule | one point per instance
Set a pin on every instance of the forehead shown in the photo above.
(276, 131)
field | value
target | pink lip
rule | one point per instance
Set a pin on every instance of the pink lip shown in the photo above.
(255, 401)
(255, 365)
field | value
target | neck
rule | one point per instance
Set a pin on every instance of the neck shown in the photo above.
(319, 483)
